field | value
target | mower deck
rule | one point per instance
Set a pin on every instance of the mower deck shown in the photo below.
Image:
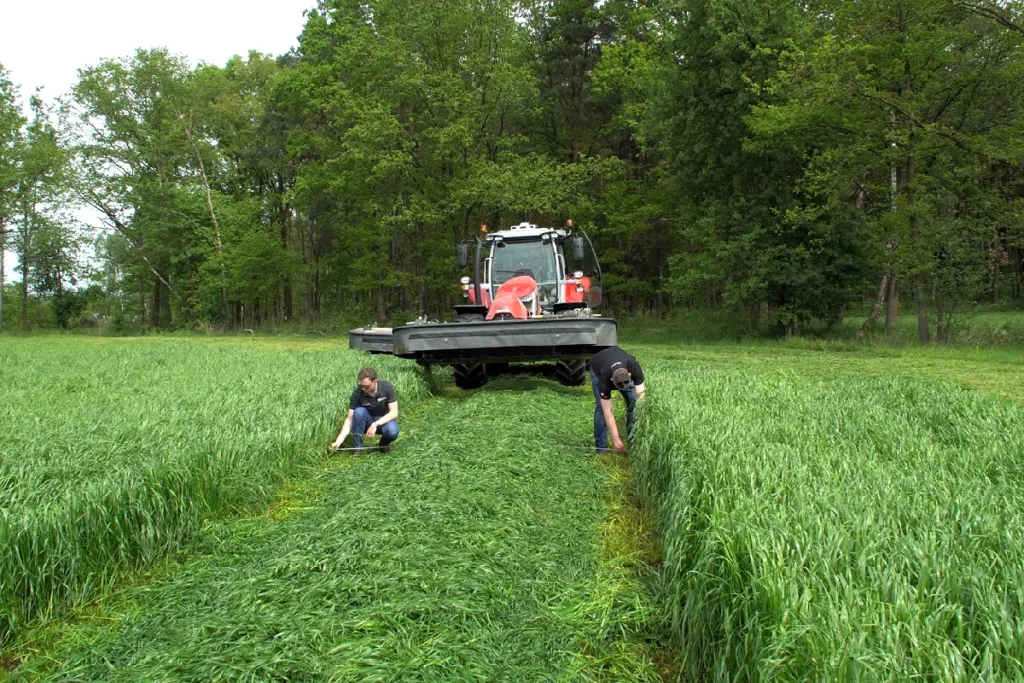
(374, 340)
(535, 339)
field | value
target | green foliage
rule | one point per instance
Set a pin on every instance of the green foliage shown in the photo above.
(723, 155)
(907, 89)
(11, 122)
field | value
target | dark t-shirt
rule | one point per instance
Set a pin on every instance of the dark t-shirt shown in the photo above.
(604, 363)
(377, 405)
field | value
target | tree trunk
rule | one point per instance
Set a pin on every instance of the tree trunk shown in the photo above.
(876, 311)
(892, 313)
(288, 278)
(25, 265)
(165, 303)
(156, 303)
(316, 293)
(923, 333)
(941, 324)
(309, 299)
(3, 245)
(142, 303)
(382, 315)
(1018, 265)
(658, 299)
(24, 295)
(995, 280)
(213, 218)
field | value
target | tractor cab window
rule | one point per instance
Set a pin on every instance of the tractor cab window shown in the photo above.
(537, 257)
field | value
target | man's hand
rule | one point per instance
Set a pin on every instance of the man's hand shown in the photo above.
(620, 447)
(335, 446)
(372, 431)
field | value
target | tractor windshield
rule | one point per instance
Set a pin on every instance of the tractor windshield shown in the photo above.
(538, 257)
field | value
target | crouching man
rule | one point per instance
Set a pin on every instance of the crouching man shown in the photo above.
(372, 410)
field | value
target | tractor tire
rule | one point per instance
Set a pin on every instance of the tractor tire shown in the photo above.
(571, 373)
(470, 375)
(468, 318)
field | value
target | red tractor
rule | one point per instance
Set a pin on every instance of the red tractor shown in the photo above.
(523, 303)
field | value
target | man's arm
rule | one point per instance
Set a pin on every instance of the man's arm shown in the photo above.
(637, 373)
(345, 429)
(613, 429)
(392, 415)
(381, 421)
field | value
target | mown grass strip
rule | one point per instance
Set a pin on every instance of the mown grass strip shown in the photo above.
(472, 552)
(837, 529)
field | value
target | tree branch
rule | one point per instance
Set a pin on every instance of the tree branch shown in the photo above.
(990, 11)
(120, 227)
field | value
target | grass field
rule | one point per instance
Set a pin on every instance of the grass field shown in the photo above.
(818, 511)
(112, 452)
(848, 514)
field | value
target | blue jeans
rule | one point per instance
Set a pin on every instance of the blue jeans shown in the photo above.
(600, 428)
(361, 421)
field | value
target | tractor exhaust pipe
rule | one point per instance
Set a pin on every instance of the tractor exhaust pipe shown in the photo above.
(476, 273)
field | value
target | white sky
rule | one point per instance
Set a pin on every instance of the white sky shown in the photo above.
(45, 43)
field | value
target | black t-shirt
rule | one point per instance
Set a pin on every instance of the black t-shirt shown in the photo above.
(606, 362)
(377, 405)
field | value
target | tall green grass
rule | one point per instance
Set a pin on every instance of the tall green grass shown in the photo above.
(847, 529)
(111, 453)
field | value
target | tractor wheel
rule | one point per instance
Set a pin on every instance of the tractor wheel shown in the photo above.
(571, 373)
(468, 318)
(470, 375)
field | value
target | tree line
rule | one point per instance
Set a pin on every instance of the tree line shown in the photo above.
(782, 162)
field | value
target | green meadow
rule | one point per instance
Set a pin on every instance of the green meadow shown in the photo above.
(789, 511)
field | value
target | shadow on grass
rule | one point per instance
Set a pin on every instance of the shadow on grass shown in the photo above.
(516, 378)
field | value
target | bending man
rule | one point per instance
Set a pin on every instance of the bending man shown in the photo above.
(614, 368)
(372, 408)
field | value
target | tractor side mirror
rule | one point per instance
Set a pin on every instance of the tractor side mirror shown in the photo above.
(577, 248)
(462, 255)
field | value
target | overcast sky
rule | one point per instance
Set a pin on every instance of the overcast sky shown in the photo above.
(45, 43)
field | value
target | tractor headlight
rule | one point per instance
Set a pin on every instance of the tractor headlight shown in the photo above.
(464, 279)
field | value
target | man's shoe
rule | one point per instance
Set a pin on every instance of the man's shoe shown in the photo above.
(384, 449)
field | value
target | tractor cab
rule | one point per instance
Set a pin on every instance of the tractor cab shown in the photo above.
(529, 272)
